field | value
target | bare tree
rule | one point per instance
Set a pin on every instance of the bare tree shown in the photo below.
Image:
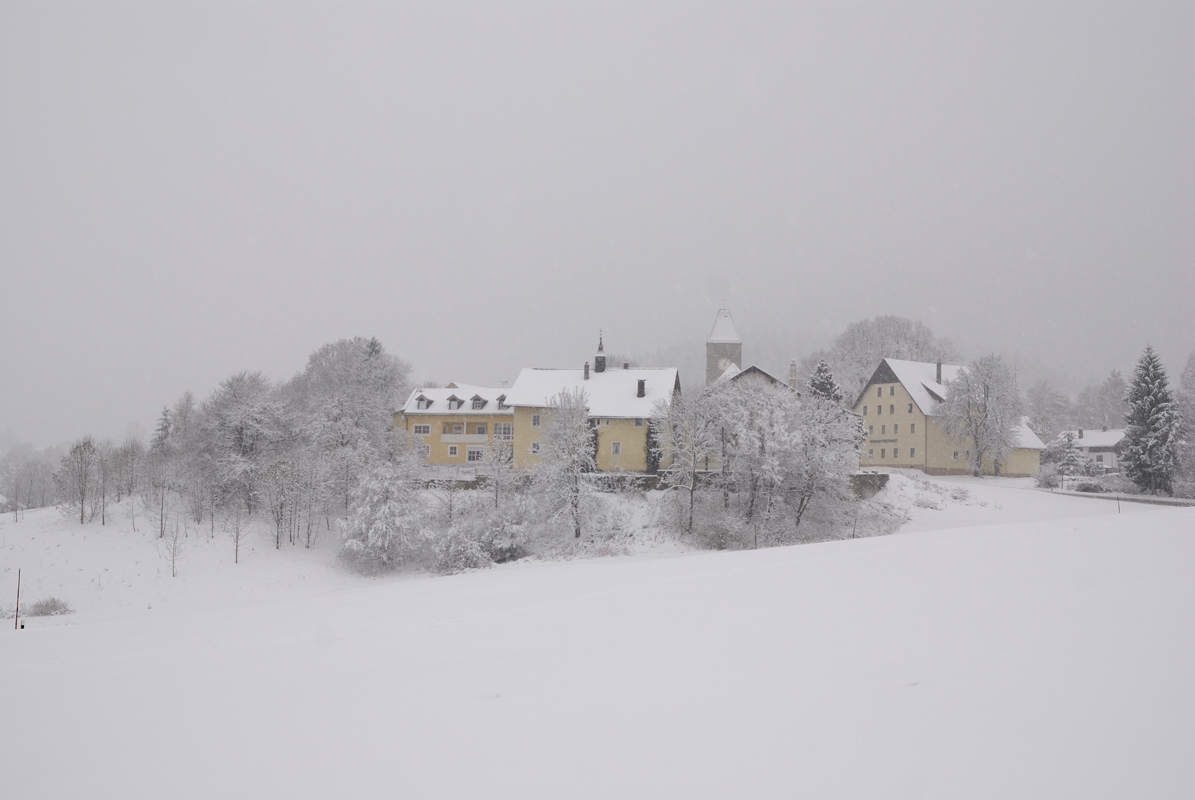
(983, 407)
(76, 477)
(688, 433)
(174, 546)
(566, 456)
(235, 525)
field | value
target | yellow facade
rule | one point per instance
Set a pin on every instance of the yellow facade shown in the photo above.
(630, 436)
(899, 435)
(449, 438)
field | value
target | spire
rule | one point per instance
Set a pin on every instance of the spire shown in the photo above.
(724, 329)
(599, 360)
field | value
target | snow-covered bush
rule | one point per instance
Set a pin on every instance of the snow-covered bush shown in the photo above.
(46, 607)
(1047, 476)
(382, 528)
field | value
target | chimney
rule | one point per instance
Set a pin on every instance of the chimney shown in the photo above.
(792, 375)
(642, 388)
(626, 365)
(1080, 433)
(939, 372)
(586, 370)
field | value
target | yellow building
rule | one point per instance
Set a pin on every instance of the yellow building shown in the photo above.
(620, 402)
(456, 422)
(900, 407)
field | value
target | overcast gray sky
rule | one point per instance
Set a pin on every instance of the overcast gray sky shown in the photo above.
(188, 190)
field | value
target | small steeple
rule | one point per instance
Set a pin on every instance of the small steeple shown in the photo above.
(599, 360)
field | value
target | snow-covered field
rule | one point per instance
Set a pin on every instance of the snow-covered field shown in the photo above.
(1008, 643)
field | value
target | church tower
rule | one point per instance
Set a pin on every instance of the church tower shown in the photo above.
(599, 360)
(723, 348)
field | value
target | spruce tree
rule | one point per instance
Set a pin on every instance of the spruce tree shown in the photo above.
(161, 438)
(822, 383)
(1072, 461)
(1153, 433)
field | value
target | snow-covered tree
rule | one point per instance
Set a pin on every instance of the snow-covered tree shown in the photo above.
(241, 424)
(824, 455)
(381, 530)
(822, 383)
(1070, 460)
(567, 455)
(76, 478)
(1150, 449)
(857, 350)
(160, 443)
(983, 408)
(1049, 410)
(1103, 405)
(688, 434)
(1186, 405)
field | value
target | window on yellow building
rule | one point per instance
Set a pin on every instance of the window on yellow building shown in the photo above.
(912, 452)
(879, 409)
(504, 431)
(458, 429)
(865, 411)
(535, 448)
(638, 422)
(474, 454)
(955, 456)
(481, 426)
(892, 390)
(895, 429)
(910, 410)
(883, 430)
(871, 429)
(892, 409)
(422, 430)
(453, 450)
(615, 448)
(896, 452)
(879, 391)
(883, 452)
(912, 427)
(871, 453)
(535, 420)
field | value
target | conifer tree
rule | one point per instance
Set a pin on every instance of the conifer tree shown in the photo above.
(1072, 461)
(822, 383)
(1153, 434)
(161, 438)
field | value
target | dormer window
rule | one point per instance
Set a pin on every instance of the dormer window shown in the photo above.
(454, 403)
(422, 403)
(502, 402)
(478, 402)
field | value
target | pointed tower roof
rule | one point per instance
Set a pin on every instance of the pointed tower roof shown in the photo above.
(724, 329)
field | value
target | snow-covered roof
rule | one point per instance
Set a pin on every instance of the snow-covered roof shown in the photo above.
(1108, 438)
(612, 393)
(464, 392)
(1026, 438)
(724, 329)
(920, 380)
(733, 373)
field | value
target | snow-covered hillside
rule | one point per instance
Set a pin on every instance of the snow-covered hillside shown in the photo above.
(1009, 643)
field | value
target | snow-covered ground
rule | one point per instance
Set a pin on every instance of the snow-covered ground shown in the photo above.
(1008, 643)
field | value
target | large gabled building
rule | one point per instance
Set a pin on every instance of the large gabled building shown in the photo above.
(901, 411)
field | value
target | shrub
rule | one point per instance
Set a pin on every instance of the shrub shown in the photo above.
(48, 607)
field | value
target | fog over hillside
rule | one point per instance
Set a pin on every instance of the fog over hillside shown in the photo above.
(187, 192)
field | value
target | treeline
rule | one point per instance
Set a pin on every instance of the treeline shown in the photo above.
(291, 451)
